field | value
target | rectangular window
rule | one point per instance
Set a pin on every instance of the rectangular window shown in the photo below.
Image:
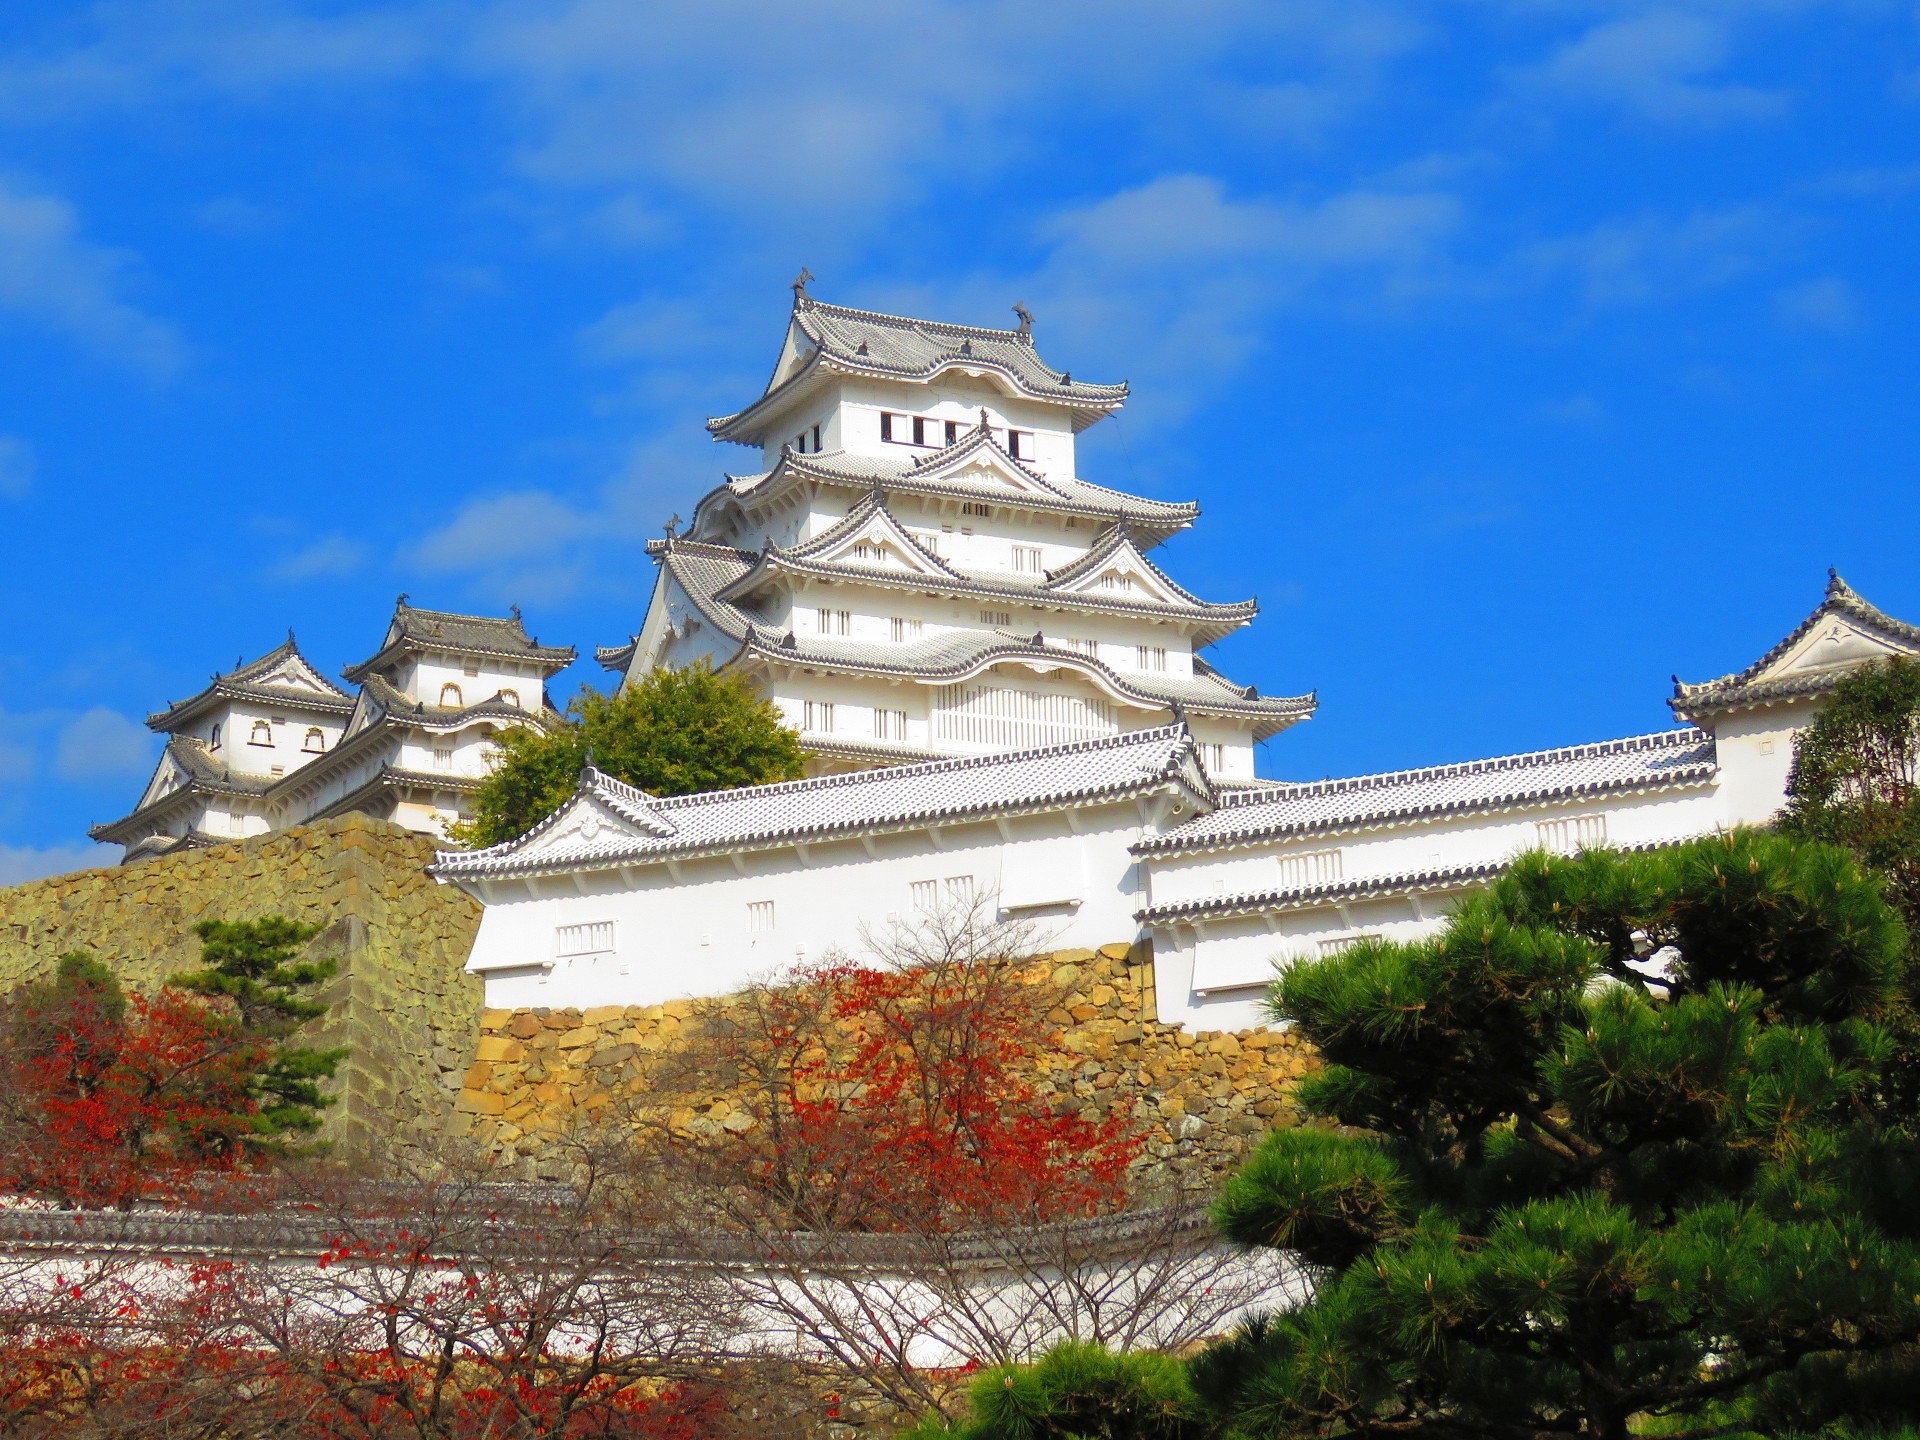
(926, 896)
(759, 917)
(817, 715)
(1577, 832)
(1340, 943)
(957, 890)
(975, 508)
(929, 540)
(1150, 657)
(1001, 618)
(953, 431)
(1213, 758)
(1308, 868)
(833, 622)
(593, 938)
(887, 421)
(905, 631)
(870, 552)
(1088, 648)
(920, 430)
(443, 757)
(1020, 444)
(816, 439)
(889, 724)
(1026, 559)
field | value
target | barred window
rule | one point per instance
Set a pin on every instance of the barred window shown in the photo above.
(1575, 833)
(817, 715)
(759, 917)
(889, 724)
(1309, 867)
(595, 937)
(1150, 657)
(1026, 559)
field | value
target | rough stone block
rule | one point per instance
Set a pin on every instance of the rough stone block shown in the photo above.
(479, 1102)
(499, 1047)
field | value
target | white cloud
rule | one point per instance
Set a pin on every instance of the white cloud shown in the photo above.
(17, 467)
(51, 275)
(1657, 65)
(21, 863)
(1828, 304)
(235, 215)
(1649, 257)
(103, 744)
(525, 545)
(328, 557)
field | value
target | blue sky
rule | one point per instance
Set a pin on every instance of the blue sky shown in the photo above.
(1520, 354)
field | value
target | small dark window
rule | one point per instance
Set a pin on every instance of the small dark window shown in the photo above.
(953, 431)
(213, 740)
(1020, 444)
(919, 429)
(887, 417)
(816, 439)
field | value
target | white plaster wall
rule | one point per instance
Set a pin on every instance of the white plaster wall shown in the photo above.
(688, 935)
(848, 413)
(1756, 756)
(288, 727)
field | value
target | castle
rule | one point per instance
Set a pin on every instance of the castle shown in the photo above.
(1006, 704)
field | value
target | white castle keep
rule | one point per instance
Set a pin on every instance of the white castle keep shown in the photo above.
(916, 569)
(273, 742)
(1008, 706)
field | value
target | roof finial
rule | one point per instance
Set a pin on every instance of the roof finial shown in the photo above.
(1026, 317)
(984, 423)
(514, 610)
(290, 639)
(800, 296)
(400, 602)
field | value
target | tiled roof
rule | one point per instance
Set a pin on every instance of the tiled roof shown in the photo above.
(1667, 758)
(204, 776)
(1747, 687)
(931, 793)
(413, 630)
(1216, 907)
(867, 342)
(398, 703)
(910, 475)
(243, 682)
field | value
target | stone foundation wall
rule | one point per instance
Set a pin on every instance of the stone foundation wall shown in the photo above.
(400, 1001)
(1203, 1098)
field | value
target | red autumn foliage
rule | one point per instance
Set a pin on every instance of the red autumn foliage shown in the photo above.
(107, 1099)
(905, 1099)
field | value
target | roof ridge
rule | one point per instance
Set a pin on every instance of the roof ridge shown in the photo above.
(1292, 790)
(1143, 738)
(914, 322)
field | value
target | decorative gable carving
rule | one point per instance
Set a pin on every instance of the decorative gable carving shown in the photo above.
(601, 812)
(878, 541)
(1835, 643)
(1118, 573)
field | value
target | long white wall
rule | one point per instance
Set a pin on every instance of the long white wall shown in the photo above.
(705, 927)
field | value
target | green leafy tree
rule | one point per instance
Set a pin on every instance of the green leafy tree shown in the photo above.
(255, 966)
(674, 733)
(1605, 1165)
(1077, 1391)
(1856, 783)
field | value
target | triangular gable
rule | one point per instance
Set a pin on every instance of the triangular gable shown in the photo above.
(872, 538)
(170, 777)
(977, 461)
(293, 672)
(1836, 641)
(1117, 570)
(602, 812)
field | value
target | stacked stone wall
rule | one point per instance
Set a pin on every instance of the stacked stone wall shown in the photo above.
(401, 1000)
(1201, 1098)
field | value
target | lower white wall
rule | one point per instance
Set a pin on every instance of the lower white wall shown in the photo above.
(687, 930)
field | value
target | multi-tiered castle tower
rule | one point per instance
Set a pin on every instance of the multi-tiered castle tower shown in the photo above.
(916, 569)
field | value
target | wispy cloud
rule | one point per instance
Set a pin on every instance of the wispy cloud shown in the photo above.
(327, 558)
(102, 744)
(1661, 65)
(1637, 260)
(1828, 304)
(53, 276)
(237, 216)
(21, 863)
(17, 467)
(524, 545)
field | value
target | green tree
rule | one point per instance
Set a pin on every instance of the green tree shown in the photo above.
(674, 733)
(1077, 1391)
(255, 966)
(1564, 1200)
(1856, 783)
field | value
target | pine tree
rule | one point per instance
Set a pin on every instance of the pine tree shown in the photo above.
(1606, 1163)
(253, 965)
(674, 733)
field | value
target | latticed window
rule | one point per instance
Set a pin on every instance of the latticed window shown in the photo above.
(904, 630)
(1309, 867)
(817, 715)
(1341, 943)
(975, 508)
(759, 917)
(450, 696)
(1088, 648)
(1213, 757)
(871, 552)
(833, 622)
(1026, 559)
(595, 937)
(1576, 832)
(1007, 718)
(261, 734)
(315, 742)
(1150, 657)
(889, 724)
(926, 896)
(1002, 618)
